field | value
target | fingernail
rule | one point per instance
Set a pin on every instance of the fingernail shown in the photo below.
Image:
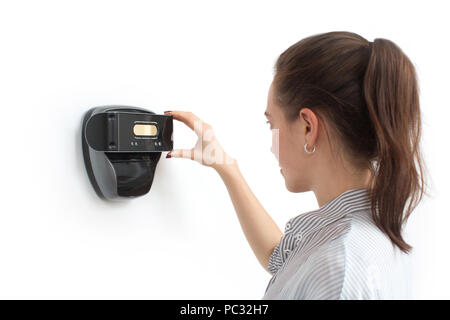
(168, 155)
(167, 111)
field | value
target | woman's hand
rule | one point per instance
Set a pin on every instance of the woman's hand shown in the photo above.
(259, 228)
(207, 151)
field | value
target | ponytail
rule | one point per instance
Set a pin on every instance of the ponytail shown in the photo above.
(391, 94)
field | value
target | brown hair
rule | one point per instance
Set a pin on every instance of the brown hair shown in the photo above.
(368, 94)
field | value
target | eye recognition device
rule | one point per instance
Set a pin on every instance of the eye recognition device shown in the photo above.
(121, 148)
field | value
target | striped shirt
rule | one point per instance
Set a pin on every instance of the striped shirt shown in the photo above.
(337, 252)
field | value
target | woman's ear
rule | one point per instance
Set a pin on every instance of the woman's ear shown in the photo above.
(310, 123)
(305, 119)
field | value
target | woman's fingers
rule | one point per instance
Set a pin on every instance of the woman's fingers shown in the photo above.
(181, 153)
(188, 118)
(207, 150)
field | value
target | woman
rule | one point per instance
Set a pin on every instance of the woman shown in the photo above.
(345, 118)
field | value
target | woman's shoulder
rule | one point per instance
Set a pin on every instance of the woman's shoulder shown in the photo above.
(360, 263)
(374, 267)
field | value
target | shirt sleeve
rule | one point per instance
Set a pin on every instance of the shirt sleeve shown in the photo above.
(275, 261)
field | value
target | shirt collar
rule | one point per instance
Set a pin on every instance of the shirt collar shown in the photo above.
(347, 202)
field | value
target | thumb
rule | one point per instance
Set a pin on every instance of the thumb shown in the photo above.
(181, 153)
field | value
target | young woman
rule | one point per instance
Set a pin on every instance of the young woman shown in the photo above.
(346, 122)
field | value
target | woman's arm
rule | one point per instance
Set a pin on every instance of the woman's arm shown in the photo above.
(261, 231)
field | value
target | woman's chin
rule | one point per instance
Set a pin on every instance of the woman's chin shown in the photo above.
(289, 186)
(290, 189)
(294, 188)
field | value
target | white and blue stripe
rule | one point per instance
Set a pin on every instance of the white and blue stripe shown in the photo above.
(337, 252)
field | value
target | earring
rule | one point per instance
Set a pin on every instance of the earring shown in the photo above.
(309, 152)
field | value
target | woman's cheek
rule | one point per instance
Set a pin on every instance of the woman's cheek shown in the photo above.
(276, 143)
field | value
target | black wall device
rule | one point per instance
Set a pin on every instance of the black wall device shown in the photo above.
(121, 148)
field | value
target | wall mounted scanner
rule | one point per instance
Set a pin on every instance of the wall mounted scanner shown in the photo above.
(121, 148)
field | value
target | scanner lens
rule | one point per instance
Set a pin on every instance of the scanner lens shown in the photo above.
(148, 130)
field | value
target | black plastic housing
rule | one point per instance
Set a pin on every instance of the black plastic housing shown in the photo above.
(119, 163)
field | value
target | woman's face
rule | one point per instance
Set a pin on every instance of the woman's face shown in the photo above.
(288, 139)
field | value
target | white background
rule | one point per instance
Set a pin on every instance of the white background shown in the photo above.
(182, 240)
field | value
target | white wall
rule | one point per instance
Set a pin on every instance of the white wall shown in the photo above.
(182, 240)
